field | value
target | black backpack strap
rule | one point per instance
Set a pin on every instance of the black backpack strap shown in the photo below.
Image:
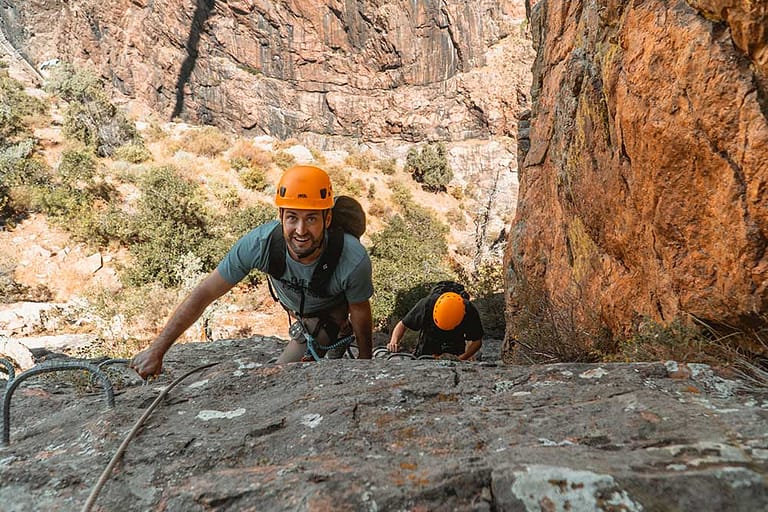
(428, 342)
(329, 260)
(276, 248)
(442, 287)
(276, 258)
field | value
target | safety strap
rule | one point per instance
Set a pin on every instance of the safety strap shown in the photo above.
(313, 345)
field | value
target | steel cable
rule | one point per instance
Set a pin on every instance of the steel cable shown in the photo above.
(124, 445)
(50, 366)
(9, 369)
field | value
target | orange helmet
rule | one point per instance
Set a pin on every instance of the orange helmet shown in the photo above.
(304, 187)
(448, 311)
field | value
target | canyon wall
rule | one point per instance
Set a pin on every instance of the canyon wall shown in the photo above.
(374, 70)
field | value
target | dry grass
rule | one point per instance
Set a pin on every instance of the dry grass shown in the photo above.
(207, 141)
(754, 374)
(245, 153)
(361, 161)
(550, 330)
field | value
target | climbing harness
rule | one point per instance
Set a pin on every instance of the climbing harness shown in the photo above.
(108, 470)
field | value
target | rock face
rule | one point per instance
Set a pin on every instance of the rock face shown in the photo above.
(365, 75)
(392, 435)
(374, 70)
(644, 182)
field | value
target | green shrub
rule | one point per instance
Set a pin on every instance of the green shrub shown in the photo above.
(20, 164)
(353, 188)
(486, 287)
(379, 209)
(77, 167)
(90, 117)
(73, 84)
(408, 255)
(61, 202)
(171, 221)
(239, 163)
(227, 195)
(457, 193)
(284, 160)
(10, 290)
(387, 166)
(76, 202)
(144, 309)
(399, 285)
(71, 199)
(401, 195)
(16, 107)
(6, 209)
(245, 154)
(254, 178)
(230, 226)
(339, 177)
(114, 224)
(429, 166)
(242, 220)
(361, 161)
(68, 197)
(135, 152)
(344, 183)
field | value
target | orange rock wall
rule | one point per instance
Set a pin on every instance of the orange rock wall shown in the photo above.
(644, 193)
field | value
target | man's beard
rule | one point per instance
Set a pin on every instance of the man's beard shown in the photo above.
(308, 251)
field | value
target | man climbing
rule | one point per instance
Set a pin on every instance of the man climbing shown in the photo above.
(321, 276)
(448, 323)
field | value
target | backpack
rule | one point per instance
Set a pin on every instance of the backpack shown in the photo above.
(442, 287)
(428, 343)
(348, 217)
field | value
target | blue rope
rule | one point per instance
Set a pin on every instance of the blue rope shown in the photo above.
(338, 343)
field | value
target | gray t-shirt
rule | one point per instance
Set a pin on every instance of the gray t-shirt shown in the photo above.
(351, 280)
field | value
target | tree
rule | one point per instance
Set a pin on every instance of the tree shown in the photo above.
(90, 117)
(429, 166)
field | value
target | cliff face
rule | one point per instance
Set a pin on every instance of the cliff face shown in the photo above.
(644, 191)
(414, 71)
